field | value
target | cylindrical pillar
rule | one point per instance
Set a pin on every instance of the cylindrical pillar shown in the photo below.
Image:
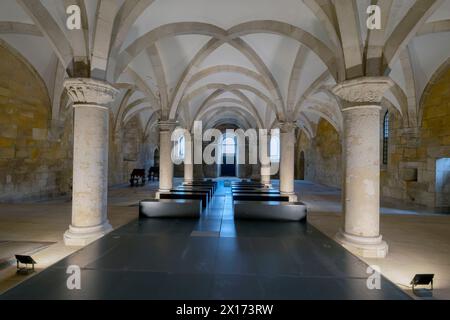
(188, 158)
(90, 160)
(287, 159)
(166, 164)
(264, 156)
(361, 152)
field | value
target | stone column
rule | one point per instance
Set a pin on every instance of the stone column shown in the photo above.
(361, 151)
(90, 160)
(166, 164)
(287, 161)
(188, 159)
(198, 155)
(264, 157)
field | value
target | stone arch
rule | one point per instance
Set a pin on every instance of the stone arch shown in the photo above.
(326, 55)
(235, 88)
(244, 102)
(229, 69)
(212, 112)
(168, 30)
(248, 52)
(33, 73)
(427, 92)
(220, 117)
(50, 29)
(408, 28)
(31, 162)
(214, 104)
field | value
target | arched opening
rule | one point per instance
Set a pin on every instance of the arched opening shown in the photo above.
(301, 170)
(386, 138)
(181, 145)
(228, 148)
(275, 148)
(156, 158)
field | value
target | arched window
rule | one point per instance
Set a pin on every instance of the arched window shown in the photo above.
(229, 146)
(386, 138)
(275, 148)
(181, 144)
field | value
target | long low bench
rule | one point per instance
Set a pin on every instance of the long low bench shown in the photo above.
(234, 184)
(196, 184)
(185, 195)
(210, 189)
(279, 211)
(170, 208)
(194, 190)
(249, 187)
(260, 197)
(237, 192)
(185, 187)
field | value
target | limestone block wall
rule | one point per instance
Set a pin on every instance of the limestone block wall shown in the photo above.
(322, 162)
(417, 167)
(35, 153)
(128, 152)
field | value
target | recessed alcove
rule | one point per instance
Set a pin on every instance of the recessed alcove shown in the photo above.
(443, 183)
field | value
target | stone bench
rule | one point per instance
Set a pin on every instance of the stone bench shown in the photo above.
(185, 195)
(260, 197)
(197, 185)
(248, 186)
(237, 192)
(278, 211)
(170, 208)
(194, 190)
(251, 189)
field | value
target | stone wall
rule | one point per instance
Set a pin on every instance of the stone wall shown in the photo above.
(128, 152)
(412, 174)
(35, 153)
(322, 156)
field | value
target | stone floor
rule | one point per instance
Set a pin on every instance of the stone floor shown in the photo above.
(215, 257)
(47, 221)
(419, 243)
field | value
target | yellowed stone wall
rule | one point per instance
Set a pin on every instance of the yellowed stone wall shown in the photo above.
(36, 153)
(128, 152)
(322, 155)
(35, 161)
(413, 152)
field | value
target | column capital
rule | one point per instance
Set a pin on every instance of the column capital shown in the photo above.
(363, 91)
(264, 132)
(90, 91)
(167, 125)
(287, 126)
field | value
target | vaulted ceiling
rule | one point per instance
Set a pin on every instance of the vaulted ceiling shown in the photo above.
(255, 62)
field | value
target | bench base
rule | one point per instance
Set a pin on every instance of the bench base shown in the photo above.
(170, 209)
(277, 211)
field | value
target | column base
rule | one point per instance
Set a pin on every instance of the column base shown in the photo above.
(366, 247)
(80, 237)
(292, 196)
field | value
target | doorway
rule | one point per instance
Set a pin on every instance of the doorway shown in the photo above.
(228, 166)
